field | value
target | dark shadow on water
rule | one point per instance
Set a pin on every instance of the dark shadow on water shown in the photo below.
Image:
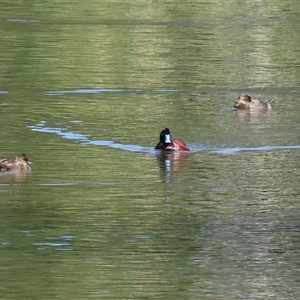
(84, 139)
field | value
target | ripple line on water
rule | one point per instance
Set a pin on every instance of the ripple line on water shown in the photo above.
(106, 90)
(84, 139)
(260, 148)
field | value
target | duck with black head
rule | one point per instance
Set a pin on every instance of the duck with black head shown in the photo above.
(167, 143)
(21, 163)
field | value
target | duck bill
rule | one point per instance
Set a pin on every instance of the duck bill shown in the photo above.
(167, 138)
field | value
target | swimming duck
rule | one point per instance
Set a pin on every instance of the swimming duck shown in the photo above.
(244, 101)
(19, 163)
(166, 142)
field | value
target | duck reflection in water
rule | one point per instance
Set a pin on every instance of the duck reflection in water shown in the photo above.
(13, 176)
(171, 164)
(173, 155)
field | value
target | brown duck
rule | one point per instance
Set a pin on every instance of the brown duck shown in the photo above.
(244, 101)
(19, 163)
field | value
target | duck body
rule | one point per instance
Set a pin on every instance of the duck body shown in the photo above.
(245, 102)
(21, 162)
(167, 143)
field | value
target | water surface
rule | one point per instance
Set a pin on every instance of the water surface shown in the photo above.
(85, 91)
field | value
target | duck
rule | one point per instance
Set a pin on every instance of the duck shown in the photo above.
(245, 101)
(166, 142)
(21, 162)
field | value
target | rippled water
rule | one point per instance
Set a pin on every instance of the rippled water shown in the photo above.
(85, 91)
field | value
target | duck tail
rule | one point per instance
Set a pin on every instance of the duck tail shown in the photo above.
(271, 100)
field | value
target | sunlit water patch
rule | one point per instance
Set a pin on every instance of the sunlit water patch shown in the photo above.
(59, 243)
(23, 21)
(106, 90)
(90, 183)
(262, 148)
(83, 91)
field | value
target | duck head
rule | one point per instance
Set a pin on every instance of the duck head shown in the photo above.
(165, 136)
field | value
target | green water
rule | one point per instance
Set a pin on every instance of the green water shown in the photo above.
(86, 88)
